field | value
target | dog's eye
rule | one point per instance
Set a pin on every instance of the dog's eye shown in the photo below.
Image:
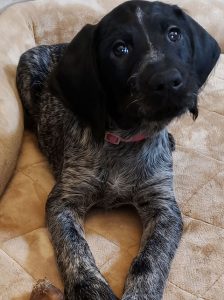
(174, 34)
(120, 49)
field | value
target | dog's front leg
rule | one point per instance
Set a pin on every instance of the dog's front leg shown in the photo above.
(65, 210)
(162, 228)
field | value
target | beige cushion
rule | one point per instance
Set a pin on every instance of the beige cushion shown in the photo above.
(25, 250)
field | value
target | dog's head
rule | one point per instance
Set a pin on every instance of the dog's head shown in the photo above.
(143, 62)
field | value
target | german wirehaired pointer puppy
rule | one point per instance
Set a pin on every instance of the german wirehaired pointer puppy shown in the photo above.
(100, 106)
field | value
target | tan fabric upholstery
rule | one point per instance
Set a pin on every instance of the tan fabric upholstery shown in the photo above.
(25, 250)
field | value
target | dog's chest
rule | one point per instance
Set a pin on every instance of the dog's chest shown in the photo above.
(124, 172)
(128, 168)
(120, 182)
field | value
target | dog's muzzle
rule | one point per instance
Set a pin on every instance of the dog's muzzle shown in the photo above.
(164, 92)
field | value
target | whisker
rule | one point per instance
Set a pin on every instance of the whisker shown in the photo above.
(134, 101)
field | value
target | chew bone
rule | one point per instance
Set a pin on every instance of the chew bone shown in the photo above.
(44, 290)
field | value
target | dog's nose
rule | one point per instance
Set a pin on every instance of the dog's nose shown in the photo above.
(169, 80)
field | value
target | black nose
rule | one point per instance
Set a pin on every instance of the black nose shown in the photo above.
(169, 80)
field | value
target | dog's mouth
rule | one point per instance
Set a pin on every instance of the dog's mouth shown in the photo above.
(169, 108)
(156, 109)
(141, 110)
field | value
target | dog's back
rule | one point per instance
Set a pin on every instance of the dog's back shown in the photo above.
(33, 70)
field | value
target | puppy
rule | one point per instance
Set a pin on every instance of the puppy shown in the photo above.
(100, 106)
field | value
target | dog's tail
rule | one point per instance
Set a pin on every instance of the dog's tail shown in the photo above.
(33, 70)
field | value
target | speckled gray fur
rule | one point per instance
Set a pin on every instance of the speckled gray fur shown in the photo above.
(90, 174)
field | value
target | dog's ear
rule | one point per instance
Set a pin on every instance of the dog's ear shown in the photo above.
(75, 79)
(206, 51)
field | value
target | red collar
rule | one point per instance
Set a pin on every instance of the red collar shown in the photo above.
(115, 139)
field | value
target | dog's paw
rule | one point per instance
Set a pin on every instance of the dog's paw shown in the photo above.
(92, 288)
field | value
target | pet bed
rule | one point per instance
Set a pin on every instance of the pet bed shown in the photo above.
(26, 254)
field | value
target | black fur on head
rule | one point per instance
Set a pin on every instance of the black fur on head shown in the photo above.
(76, 80)
(143, 61)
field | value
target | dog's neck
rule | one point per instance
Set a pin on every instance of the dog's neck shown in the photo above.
(115, 135)
(116, 139)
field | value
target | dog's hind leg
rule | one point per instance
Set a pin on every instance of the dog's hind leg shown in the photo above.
(162, 225)
(33, 70)
(65, 210)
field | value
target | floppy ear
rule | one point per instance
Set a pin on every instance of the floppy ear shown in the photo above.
(206, 51)
(76, 80)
